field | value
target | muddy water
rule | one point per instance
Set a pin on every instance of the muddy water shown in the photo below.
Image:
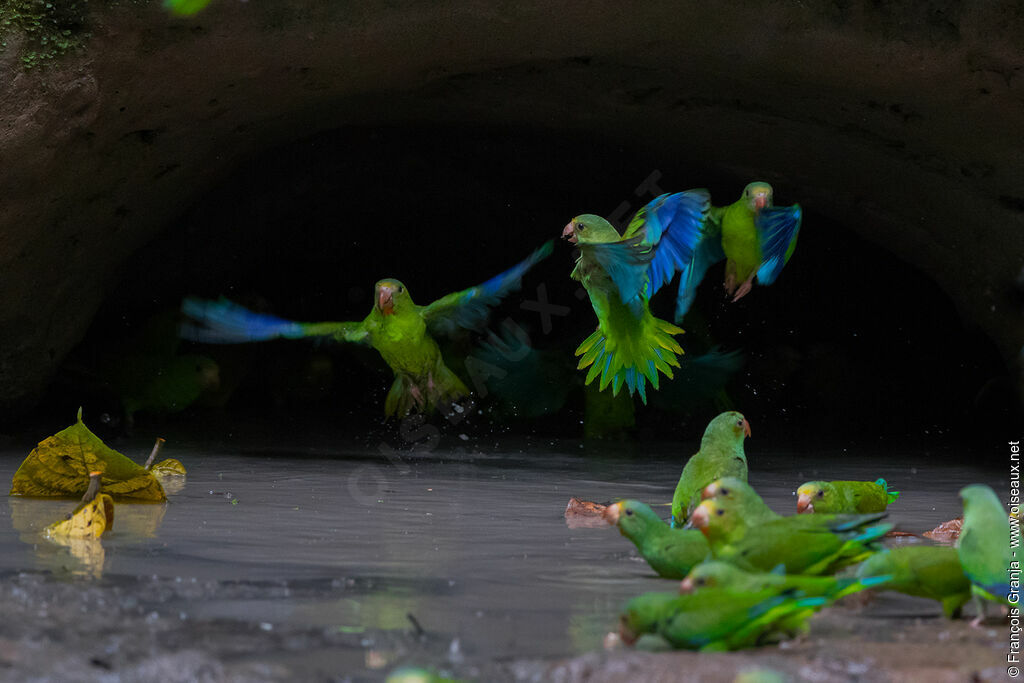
(472, 544)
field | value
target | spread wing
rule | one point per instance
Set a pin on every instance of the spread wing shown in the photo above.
(469, 308)
(225, 322)
(777, 230)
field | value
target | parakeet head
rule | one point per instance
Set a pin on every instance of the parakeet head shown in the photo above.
(714, 518)
(980, 496)
(710, 575)
(757, 195)
(730, 488)
(391, 296)
(590, 229)
(810, 493)
(729, 426)
(201, 372)
(643, 614)
(631, 516)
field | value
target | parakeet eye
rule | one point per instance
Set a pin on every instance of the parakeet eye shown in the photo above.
(739, 423)
(821, 494)
(701, 581)
(724, 492)
(628, 511)
(581, 227)
(401, 289)
(719, 512)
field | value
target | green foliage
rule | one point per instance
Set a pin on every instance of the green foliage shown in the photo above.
(47, 28)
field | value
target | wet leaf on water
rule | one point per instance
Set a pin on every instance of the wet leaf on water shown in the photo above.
(88, 520)
(168, 467)
(60, 466)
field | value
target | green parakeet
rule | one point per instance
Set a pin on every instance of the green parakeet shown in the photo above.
(723, 575)
(670, 552)
(161, 385)
(801, 548)
(720, 455)
(400, 330)
(740, 493)
(924, 571)
(620, 274)
(839, 497)
(755, 238)
(984, 547)
(717, 619)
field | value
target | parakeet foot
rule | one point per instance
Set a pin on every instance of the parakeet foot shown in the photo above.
(729, 284)
(744, 289)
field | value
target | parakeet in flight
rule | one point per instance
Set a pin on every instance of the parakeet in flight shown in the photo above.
(755, 238)
(838, 497)
(924, 571)
(670, 552)
(399, 329)
(984, 547)
(721, 455)
(621, 273)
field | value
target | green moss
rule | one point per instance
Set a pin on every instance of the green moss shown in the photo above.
(48, 29)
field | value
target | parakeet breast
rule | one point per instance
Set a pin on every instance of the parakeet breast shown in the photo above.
(739, 239)
(405, 345)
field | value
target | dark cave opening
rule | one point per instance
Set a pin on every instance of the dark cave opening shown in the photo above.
(850, 345)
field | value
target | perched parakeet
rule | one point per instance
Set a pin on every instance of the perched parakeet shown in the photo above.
(670, 552)
(401, 331)
(723, 575)
(720, 455)
(621, 273)
(717, 619)
(755, 238)
(840, 497)
(800, 547)
(926, 571)
(984, 547)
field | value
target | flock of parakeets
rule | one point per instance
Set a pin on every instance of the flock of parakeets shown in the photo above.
(751, 576)
(679, 233)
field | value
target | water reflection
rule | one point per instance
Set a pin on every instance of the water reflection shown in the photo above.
(79, 556)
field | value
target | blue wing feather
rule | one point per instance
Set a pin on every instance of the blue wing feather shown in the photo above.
(708, 253)
(225, 322)
(671, 227)
(469, 308)
(777, 229)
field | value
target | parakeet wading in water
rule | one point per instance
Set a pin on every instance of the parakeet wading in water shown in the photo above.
(620, 274)
(399, 329)
(839, 497)
(755, 238)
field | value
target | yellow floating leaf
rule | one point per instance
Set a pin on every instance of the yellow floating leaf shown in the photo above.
(60, 466)
(168, 467)
(88, 520)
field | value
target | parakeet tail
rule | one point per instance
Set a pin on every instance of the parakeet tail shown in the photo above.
(630, 356)
(851, 585)
(892, 495)
(225, 322)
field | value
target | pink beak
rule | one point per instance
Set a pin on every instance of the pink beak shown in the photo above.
(686, 586)
(385, 300)
(804, 504)
(699, 518)
(760, 202)
(746, 428)
(569, 233)
(710, 491)
(611, 514)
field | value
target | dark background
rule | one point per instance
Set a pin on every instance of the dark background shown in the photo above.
(849, 345)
